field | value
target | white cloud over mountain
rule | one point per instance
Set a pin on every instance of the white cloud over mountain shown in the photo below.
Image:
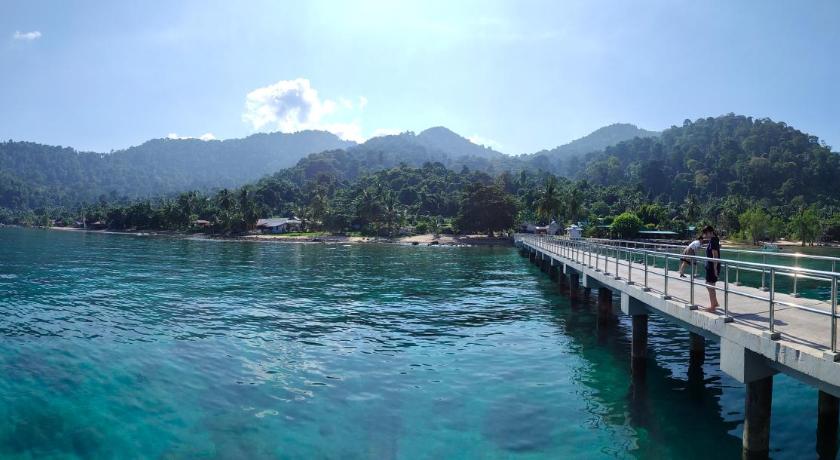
(203, 137)
(294, 105)
(26, 36)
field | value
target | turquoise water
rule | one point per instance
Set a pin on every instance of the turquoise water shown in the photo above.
(115, 346)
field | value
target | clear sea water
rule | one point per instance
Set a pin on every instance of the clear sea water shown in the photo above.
(117, 346)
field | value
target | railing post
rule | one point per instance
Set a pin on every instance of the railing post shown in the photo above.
(692, 305)
(665, 294)
(773, 334)
(726, 317)
(763, 271)
(795, 279)
(738, 272)
(629, 267)
(616, 264)
(834, 313)
(597, 252)
(646, 272)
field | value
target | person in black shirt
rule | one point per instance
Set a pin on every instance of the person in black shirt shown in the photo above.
(712, 268)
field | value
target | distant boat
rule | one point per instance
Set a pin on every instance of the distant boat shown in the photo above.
(770, 247)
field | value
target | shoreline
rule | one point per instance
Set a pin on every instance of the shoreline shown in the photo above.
(414, 240)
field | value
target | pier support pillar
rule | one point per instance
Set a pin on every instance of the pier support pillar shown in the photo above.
(604, 304)
(756, 442)
(697, 353)
(638, 349)
(553, 271)
(828, 409)
(574, 285)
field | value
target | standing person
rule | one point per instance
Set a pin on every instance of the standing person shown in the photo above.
(712, 268)
(690, 250)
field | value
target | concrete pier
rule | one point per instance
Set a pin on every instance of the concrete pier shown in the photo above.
(756, 440)
(750, 351)
(828, 409)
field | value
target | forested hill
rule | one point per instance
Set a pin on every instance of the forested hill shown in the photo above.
(731, 155)
(35, 175)
(440, 145)
(434, 145)
(565, 159)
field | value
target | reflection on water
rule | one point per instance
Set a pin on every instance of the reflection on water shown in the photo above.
(179, 348)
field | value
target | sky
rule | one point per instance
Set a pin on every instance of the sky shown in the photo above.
(518, 76)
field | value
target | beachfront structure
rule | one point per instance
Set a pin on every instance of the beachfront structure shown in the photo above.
(279, 225)
(658, 234)
(762, 330)
(574, 232)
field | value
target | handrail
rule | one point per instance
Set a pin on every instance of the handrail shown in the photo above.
(733, 250)
(581, 251)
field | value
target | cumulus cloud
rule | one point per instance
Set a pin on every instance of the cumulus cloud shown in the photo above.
(294, 105)
(203, 137)
(478, 140)
(26, 36)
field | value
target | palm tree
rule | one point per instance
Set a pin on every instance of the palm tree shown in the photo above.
(574, 204)
(549, 202)
(691, 208)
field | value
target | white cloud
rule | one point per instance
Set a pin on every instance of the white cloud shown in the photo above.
(203, 137)
(385, 132)
(362, 102)
(478, 140)
(294, 105)
(26, 36)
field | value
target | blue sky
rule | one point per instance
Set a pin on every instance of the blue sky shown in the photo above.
(518, 75)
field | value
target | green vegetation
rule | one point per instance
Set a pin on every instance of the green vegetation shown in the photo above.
(626, 225)
(720, 171)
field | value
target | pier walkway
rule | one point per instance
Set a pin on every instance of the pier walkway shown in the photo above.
(762, 329)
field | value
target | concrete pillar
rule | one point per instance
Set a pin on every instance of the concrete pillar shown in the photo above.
(638, 348)
(697, 355)
(604, 304)
(828, 408)
(562, 280)
(553, 272)
(574, 286)
(756, 442)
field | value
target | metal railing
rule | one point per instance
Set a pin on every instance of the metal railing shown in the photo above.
(830, 263)
(621, 261)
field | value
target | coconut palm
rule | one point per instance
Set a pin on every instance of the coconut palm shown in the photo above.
(549, 202)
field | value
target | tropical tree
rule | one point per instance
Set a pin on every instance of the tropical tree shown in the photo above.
(485, 208)
(755, 224)
(574, 204)
(549, 202)
(805, 225)
(626, 225)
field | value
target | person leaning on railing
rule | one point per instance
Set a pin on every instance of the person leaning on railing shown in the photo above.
(690, 250)
(712, 268)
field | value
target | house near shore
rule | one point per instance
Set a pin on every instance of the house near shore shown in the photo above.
(574, 232)
(279, 225)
